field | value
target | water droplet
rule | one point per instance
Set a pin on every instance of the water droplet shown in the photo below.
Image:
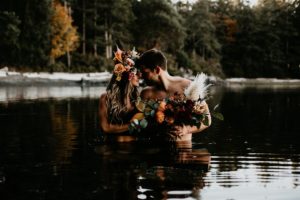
(141, 196)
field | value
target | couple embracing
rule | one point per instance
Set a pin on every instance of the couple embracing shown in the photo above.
(118, 105)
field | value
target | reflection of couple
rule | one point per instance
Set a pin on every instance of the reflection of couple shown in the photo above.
(117, 105)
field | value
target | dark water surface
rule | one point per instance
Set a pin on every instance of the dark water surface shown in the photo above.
(51, 148)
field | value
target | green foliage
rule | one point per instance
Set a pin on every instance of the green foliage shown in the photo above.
(10, 31)
(113, 18)
(216, 37)
(183, 60)
(35, 33)
(201, 42)
(157, 25)
(9, 35)
(217, 115)
(88, 63)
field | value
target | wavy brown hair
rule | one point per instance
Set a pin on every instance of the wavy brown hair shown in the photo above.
(116, 101)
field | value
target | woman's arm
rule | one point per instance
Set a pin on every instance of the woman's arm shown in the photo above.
(194, 129)
(105, 125)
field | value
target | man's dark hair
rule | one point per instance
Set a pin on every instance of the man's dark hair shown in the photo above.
(152, 58)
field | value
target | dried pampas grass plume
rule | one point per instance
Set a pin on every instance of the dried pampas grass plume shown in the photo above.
(198, 88)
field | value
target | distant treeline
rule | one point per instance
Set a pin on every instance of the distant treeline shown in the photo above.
(216, 37)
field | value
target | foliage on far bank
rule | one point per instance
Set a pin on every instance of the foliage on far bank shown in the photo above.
(64, 37)
(216, 37)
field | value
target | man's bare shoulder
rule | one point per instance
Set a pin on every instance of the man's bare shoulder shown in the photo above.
(178, 84)
(182, 81)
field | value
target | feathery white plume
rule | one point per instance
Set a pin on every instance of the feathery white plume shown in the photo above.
(198, 88)
(134, 53)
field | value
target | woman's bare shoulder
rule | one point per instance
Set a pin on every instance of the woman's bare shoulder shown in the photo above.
(103, 97)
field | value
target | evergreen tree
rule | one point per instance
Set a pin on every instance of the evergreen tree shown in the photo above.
(9, 35)
(35, 42)
(201, 42)
(290, 19)
(158, 25)
(241, 57)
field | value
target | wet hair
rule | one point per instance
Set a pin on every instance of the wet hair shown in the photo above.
(152, 58)
(117, 92)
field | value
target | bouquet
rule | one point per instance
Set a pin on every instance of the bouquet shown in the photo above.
(179, 109)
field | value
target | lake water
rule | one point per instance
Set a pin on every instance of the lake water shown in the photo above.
(51, 148)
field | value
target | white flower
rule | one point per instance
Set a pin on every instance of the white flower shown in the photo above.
(198, 88)
(134, 54)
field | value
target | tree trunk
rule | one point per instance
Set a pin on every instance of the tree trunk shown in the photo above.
(95, 29)
(110, 45)
(106, 44)
(68, 10)
(68, 60)
(83, 28)
(51, 61)
(108, 39)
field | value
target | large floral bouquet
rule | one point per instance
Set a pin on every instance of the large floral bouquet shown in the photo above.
(179, 109)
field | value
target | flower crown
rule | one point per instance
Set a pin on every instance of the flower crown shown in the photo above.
(124, 63)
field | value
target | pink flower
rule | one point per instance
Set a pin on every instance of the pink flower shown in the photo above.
(130, 61)
(130, 76)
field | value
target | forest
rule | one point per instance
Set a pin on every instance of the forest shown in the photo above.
(222, 38)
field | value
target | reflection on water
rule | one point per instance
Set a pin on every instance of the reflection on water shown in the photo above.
(154, 171)
(52, 149)
(12, 93)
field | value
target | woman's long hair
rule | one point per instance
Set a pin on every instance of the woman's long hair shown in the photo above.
(116, 101)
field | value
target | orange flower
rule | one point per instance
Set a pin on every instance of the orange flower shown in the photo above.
(118, 77)
(162, 106)
(138, 116)
(140, 105)
(118, 55)
(160, 116)
(127, 67)
(119, 68)
(170, 107)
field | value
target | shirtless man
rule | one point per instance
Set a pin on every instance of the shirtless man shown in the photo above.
(160, 84)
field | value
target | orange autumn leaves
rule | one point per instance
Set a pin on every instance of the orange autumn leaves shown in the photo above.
(64, 36)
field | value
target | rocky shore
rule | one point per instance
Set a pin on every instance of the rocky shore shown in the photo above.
(55, 79)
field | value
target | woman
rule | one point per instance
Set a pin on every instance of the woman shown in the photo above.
(117, 105)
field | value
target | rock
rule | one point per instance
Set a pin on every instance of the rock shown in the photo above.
(4, 69)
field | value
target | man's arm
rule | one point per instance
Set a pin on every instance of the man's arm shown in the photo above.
(105, 125)
(187, 129)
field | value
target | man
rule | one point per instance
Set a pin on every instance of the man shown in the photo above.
(160, 84)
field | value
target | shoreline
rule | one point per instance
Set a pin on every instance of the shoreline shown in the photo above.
(240, 83)
(53, 79)
(8, 78)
